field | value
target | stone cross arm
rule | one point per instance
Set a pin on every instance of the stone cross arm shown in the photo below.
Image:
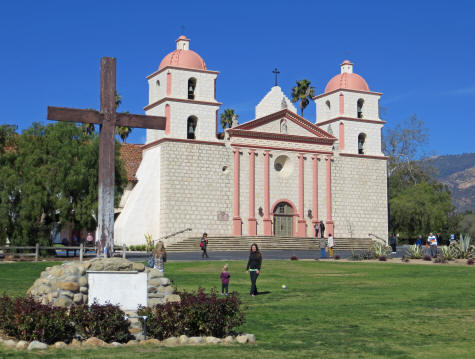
(96, 117)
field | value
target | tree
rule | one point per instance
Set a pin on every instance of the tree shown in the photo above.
(467, 224)
(418, 204)
(227, 118)
(303, 92)
(52, 180)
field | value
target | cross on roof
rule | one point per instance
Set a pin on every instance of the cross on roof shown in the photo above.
(109, 119)
(276, 72)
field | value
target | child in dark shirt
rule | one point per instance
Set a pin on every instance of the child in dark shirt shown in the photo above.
(225, 280)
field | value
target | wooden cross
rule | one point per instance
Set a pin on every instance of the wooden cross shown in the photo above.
(276, 72)
(108, 118)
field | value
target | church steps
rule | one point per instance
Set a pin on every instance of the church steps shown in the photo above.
(266, 243)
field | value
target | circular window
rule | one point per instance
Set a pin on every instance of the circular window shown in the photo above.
(283, 165)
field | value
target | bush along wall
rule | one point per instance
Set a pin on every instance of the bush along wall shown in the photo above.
(24, 318)
(197, 314)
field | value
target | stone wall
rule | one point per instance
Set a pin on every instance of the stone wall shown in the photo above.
(66, 284)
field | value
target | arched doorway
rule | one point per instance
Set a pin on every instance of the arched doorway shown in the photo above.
(283, 220)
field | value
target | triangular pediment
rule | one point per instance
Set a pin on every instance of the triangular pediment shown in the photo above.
(284, 122)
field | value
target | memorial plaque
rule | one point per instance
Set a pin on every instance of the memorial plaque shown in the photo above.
(128, 289)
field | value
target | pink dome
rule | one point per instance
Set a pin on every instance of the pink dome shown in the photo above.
(187, 59)
(348, 81)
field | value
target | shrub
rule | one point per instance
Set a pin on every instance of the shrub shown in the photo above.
(463, 248)
(446, 252)
(440, 259)
(198, 314)
(106, 322)
(294, 258)
(470, 261)
(337, 257)
(415, 252)
(380, 250)
(26, 319)
(427, 258)
(382, 259)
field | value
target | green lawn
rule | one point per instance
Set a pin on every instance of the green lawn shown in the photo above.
(329, 310)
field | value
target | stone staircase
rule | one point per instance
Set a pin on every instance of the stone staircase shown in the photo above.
(192, 244)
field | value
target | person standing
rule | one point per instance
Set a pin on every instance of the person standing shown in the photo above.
(159, 256)
(204, 245)
(225, 280)
(331, 244)
(393, 243)
(254, 267)
(432, 241)
(323, 246)
(322, 229)
(419, 241)
(317, 227)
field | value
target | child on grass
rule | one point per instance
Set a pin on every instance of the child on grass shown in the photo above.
(225, 280)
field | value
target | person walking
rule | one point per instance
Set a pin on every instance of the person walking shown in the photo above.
(159, 256)
(432, 241)
(225, 280)
(393, 243)
(323, 246)
(204, 245)
(322, 229)
(254, 267)
(331, 244)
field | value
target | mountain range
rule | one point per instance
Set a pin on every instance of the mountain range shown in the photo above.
(458, 173)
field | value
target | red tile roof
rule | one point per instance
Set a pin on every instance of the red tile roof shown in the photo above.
(131, 156)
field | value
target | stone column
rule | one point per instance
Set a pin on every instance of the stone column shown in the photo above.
(301, 225)
(267, 220)
(237, 223)
(315, 220)
(329, 223)
(252, 206)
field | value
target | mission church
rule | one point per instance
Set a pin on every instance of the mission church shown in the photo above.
(276, 175)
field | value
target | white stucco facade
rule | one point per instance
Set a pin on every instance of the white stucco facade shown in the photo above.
(235, 186)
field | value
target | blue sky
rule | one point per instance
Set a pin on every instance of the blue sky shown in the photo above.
(420, 54)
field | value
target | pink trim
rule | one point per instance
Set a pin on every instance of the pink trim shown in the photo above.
(329, 223)
(302, 122)
(237, 223)
(280, 148)
(349, 90)
(342, 136)
(342, 103)
(350, 119)
(302, 228)
(168, 117)
(280, 137)
(180, 68)
(215, 89)
(156, 143)
(364, 156)
(295, 214)
(267, 220)
(172, 99)
(252, 205)
(169, 83)
(315, 189)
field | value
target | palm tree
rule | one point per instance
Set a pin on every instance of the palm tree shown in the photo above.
(303, 92)
(227, 118)
(88, 128)
(123, 132)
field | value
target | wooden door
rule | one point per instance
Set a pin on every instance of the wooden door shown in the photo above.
(283, 220)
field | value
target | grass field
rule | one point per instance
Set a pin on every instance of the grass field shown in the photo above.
(329, 310)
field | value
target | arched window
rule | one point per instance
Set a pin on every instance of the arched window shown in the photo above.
(191, 127)
(361, 143)
(359, 108)
(328, 106)
(158, 83)
(191, 88)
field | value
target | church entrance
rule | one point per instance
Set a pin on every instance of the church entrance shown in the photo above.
(283, 220)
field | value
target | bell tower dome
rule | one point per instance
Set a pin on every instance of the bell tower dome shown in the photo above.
(184, 91)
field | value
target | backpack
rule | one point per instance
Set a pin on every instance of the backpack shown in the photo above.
(150, 262)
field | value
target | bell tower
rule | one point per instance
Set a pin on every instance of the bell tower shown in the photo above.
(184, 91)
(350, 111)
